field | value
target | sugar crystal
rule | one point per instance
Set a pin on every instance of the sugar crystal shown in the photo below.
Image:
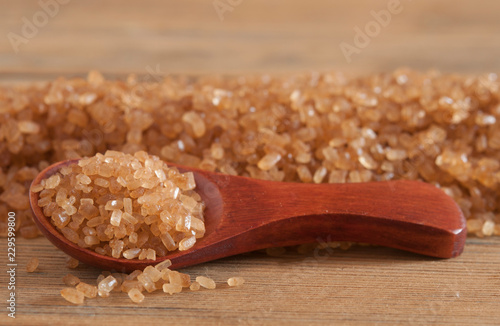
(72, 295)
(235, 281)
(32, 265)
(206, 282)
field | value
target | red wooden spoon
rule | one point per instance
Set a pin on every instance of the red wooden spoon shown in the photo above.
(244, 214)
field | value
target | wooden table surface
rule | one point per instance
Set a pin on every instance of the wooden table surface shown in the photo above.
(363, 285)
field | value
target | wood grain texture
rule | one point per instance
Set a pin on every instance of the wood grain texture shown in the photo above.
(364, 285)
(123, 36)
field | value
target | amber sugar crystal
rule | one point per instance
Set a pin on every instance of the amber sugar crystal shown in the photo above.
(73, 295)
(32, 265)
(158, 278)
(123, 205)
(206, 282)
(235, 281)
(70, 280)
(135, 295)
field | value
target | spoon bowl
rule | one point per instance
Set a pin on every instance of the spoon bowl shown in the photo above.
(244, 214)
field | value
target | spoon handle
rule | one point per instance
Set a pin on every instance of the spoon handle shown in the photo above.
(409, 215)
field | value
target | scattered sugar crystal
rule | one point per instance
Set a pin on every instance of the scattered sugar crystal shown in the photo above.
(89, 291)
(146, 282)
(152, 273)
(206, 282)
(195, 286)
(135, 295)
(32, 265)
(103, 294)
(72, 295)
(235, 281)
(127, 285)
(174, 277)
(133, 275)
(107, 284)
(172, 288)
(185, 280)
(71, 262)
(70, 280)
(182, 279)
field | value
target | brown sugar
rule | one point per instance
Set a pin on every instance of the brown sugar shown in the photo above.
(151, 210)
(32, 265)
(72, 295)
(152, 279)
(313, 127)
(70, 280)
(206, 282)
(235, 281)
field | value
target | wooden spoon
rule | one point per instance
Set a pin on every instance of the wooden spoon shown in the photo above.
(244, 214)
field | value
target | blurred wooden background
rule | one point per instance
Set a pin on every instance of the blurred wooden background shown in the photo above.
(256, 36)
(358, 286)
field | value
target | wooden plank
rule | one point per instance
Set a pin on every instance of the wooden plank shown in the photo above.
(358, 286)
(257, 36)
